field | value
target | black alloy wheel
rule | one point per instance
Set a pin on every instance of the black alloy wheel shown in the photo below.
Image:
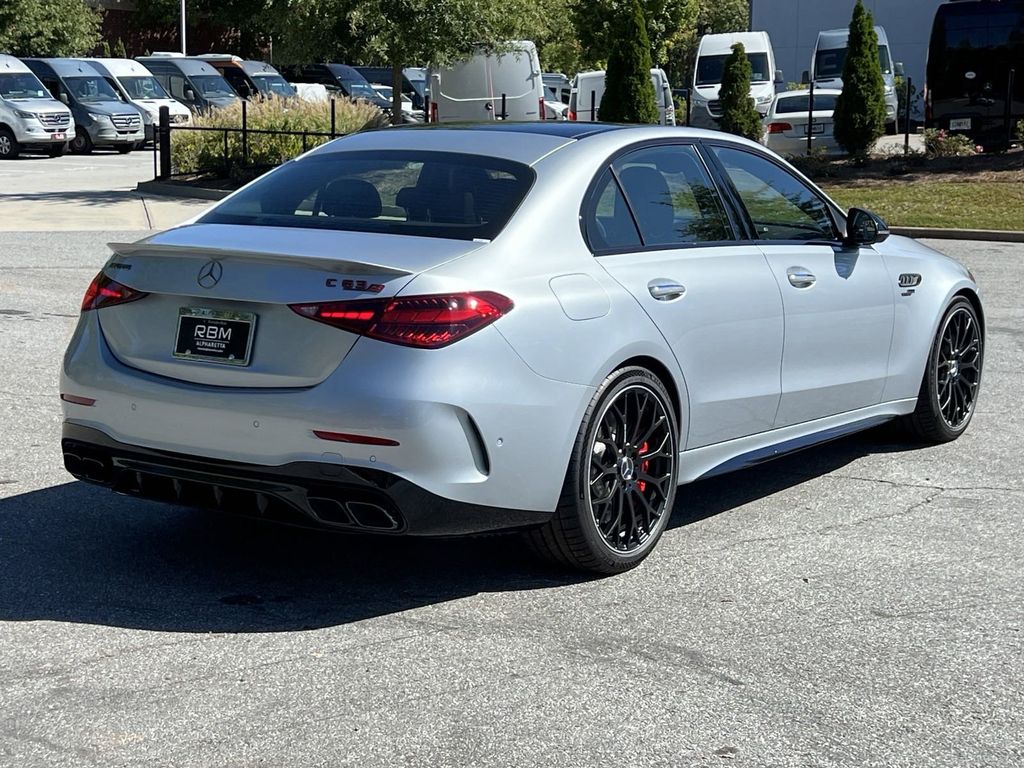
(620, 485)
(949, 391)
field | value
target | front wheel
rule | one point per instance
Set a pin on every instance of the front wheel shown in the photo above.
(82, 143)
(951, 381)
(618, 491)
(9, 148)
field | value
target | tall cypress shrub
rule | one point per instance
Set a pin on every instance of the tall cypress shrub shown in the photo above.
(860, 109)
(628, 93)
(739, 115)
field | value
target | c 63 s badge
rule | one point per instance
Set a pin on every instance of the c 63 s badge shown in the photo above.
(354, 285)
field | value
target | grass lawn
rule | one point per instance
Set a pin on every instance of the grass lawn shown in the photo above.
(959, 205)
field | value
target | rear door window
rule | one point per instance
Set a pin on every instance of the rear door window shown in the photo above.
(430, 194)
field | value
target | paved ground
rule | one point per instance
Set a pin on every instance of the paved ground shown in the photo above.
(85, 192)
(859, 605)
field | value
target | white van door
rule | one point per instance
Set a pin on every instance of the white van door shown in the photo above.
(507, 86)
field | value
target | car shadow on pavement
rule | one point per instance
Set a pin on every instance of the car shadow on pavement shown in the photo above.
(76, 197)
(78, 553)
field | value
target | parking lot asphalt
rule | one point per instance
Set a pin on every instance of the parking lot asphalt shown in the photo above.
(85, 192)
(858, 604)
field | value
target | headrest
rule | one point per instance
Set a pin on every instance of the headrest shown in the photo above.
(353, 198)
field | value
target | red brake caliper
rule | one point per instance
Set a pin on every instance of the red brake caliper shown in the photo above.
(643, 468)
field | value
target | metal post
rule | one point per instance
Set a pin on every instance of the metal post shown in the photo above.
(245, 133)
(303, 141)
(504, 114)
(810, 119)
(227, 159)
(165, 144)
(593, 110)
(1009, 107)
(184, 52)
(334, 118)
(906, 121)
(687, 92)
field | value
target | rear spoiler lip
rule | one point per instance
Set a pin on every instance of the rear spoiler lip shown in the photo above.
(327, 263)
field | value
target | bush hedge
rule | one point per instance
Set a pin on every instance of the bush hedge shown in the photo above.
(202, 152)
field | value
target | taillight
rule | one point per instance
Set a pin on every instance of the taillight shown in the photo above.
(572, 115)
(433, 111)
(543, 111)
(779, 127)
(427, 322)
(104, 292)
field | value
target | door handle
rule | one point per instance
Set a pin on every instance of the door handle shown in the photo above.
(665, 290)
(800, 277)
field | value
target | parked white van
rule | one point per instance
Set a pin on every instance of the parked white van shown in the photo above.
(830, 55)
(137, 85)
(30, 118)
(588, 88)
(707, 74)
(489, 86)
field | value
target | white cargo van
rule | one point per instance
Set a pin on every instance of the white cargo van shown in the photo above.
(489, 86)
(707, 74)
(830, 55)
(137, 85)
(588, 88)
(30, 118)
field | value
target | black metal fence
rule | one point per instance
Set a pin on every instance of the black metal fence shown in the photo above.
(163, 165)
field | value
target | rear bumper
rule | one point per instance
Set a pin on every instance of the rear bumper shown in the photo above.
(305, 493)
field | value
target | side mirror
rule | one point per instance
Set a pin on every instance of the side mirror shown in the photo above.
(898, 69)
(64, 98)
(805, 78)
(864, 228)
(779, 79)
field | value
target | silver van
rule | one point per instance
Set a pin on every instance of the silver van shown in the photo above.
(30, 118)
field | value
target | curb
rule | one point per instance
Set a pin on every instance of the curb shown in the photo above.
(165, 189)
(939, 233)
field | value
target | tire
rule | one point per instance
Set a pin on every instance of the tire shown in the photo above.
(638, 482)
(952, 378)
(124, 149)
(57, 150)
(9, 148)
(81, 144)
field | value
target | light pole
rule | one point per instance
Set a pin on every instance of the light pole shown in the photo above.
(183, 51)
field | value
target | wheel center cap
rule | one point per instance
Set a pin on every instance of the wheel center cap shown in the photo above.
(627, 469)
(954, 369)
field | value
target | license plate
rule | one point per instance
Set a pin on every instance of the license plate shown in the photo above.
(214, 336)
(961, 124)
(815, 128)
(58, 136)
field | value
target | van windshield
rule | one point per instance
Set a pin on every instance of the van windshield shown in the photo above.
(143, 87)
(21, 85)
(91, 89)
(709, 68)
(274, 85)
(828, 63)
(406, 192)
(212, 86)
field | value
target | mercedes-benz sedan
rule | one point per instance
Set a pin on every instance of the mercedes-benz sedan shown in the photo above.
(543, 327)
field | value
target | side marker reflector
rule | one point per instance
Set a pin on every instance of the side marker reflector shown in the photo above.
(77, 400)
(344, 437)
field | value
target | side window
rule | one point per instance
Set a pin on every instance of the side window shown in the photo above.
(672, 196)
(780, 206)
(609, 222)
(176, 85)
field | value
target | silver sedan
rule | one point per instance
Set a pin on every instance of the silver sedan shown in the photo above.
(538, 327)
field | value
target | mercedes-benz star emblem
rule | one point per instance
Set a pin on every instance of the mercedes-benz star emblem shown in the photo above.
(210, 274)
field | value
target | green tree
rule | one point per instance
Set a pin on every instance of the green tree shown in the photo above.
(628, 95)
(254, 20)
(48, 27)
(119, 50)
(860, 109)
(739, 115)
(595, 23)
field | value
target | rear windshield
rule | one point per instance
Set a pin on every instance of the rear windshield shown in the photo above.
(791, 104)
(427, 194)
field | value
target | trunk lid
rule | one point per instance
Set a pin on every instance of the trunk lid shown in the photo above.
(245, 278)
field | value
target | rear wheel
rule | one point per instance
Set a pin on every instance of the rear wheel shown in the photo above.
(57, 150)
(81, 144)
(951, 381)
(9, 148)
(618, 492)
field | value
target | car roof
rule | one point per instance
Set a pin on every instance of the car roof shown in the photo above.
(70, 67)
(12, 64)
(526, 142)
(183, 65)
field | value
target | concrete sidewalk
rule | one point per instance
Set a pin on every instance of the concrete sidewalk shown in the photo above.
(86, 192)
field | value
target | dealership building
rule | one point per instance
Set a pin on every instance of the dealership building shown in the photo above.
(793, 27)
